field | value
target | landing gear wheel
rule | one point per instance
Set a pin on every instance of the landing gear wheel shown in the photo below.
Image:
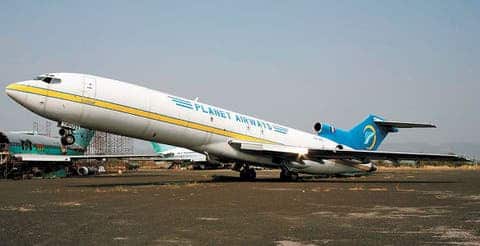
(252, 173)
(62, 132)
(248, 174)
(68, 139)
(288, 176)
(294, 176)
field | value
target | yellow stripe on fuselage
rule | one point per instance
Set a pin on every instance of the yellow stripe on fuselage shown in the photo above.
(132, 111)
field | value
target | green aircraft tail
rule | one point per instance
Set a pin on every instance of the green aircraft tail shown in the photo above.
(160, 148)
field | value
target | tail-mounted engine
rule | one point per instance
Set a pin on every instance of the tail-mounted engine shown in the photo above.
(323, 128)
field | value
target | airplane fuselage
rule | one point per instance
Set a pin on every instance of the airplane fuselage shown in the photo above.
(22, 143)
(126, 109)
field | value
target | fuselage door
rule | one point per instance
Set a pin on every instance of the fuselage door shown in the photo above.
(89, 87)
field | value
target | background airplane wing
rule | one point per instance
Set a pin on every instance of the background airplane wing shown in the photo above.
(42, 158)
(291, 152)
(127, 156)
(69, 158)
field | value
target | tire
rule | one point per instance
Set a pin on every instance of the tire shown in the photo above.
(294, 176)
(62, 140)
(283, 175)
(248, 174)
(288, 176)
(68, 140)
(252, 174)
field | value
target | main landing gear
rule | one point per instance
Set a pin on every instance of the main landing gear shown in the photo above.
(286, 175)
(67, 137)
(246, 172)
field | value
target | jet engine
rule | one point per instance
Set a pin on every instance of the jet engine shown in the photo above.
(323, 127)
(84, 171)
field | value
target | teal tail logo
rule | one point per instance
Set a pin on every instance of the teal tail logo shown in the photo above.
(160, 148)
(370, 137)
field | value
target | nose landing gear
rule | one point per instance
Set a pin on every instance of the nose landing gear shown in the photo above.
(67, 136)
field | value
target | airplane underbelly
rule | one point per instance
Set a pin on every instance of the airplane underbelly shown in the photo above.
(62, 110)
(193, 137)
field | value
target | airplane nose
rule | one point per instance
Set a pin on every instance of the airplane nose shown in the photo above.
(12, 92)
(9, 89)
(24, 94)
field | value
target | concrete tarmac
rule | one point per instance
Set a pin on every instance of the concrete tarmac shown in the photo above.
(168, 207)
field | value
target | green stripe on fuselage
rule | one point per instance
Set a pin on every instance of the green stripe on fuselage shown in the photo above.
(43, 150)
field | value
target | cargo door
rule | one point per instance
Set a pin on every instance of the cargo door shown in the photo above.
(89, 87)
(88, 100)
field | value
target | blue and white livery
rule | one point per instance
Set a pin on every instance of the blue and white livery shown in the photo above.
(222, 135)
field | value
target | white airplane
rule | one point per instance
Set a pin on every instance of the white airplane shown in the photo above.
(173, 153)
(126, 109)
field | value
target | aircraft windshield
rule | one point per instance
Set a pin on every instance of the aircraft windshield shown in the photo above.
(48, 79)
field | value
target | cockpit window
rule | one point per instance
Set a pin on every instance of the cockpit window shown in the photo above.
(49, 80)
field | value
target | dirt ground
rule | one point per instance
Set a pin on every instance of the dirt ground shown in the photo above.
(168, 207)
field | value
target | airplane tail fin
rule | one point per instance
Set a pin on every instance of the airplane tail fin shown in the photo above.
(368, 134)
(83, 137)
(160, 148)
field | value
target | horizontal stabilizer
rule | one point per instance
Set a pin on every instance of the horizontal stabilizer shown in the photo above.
(399, 124)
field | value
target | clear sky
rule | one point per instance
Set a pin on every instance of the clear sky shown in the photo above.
(292, 62)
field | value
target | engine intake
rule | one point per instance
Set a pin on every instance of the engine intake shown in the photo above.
(323, 127)
(317, 127)
(84, 171)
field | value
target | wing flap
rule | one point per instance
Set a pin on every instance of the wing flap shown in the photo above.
(269, 148)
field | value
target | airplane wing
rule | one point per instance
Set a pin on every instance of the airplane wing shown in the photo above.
(380, 155)
(69, 158)
(291, 152)
(42, 158)
(126, 156)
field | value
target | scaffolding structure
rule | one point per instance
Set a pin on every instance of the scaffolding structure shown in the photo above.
(48, 128)
(42, 129)
(102, 143)
(108, 144)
